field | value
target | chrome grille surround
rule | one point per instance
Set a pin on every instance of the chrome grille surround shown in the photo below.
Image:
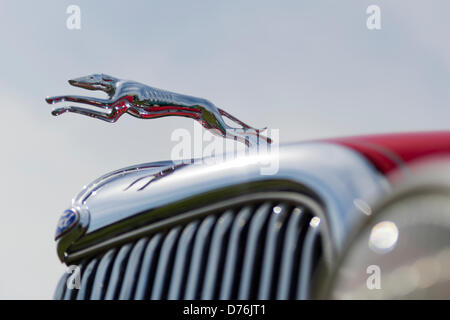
(260, 248)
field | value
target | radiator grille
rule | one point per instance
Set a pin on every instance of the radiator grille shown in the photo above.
(264, 250)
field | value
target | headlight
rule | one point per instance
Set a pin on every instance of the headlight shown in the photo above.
(403, 250)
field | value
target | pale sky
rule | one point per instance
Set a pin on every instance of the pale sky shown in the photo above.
(311, 69)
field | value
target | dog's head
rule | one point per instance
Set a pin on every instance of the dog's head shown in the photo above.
(101, 82)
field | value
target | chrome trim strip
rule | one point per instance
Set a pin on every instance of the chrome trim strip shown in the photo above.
(222, 225)
(90, 189)
(239, 224)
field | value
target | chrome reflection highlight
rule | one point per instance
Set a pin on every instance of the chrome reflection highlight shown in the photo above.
(277, 210)
(363, 206)
(145, 102)
(383, 237)
(314, 222)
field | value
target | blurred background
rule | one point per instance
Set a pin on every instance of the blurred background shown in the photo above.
(309, 68)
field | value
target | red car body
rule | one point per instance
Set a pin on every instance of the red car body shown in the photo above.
(391, 153)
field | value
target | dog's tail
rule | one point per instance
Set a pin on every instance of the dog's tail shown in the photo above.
(243, 124)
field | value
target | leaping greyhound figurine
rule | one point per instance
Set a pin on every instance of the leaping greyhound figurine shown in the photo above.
(147, 102)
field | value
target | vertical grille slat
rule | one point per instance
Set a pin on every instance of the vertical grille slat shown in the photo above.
(231, 272)
(291, 242)
(264, 249)
(61, 287)
(68, 294)
(198, 256)
(146, 269)
(87, 279)
(306, 263)
(182, 255)
(100, 281)
(251, 251)
(74, 276)
(134, 262)
(117, 272)
(270, 250)
(164, 268)
(215, 253)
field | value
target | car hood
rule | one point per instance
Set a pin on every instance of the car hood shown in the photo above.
(119, 201)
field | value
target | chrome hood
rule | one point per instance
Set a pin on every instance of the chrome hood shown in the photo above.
(134, 196)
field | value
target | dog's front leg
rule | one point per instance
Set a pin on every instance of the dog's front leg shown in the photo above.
(111, 117)
(97, 102)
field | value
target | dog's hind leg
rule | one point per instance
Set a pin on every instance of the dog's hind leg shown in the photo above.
(243, 124)
(101, 103)
(111, 117)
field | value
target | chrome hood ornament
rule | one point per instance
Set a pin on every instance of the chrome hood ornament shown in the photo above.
(145, 102)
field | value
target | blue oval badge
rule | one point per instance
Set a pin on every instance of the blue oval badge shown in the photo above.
(66, 222)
